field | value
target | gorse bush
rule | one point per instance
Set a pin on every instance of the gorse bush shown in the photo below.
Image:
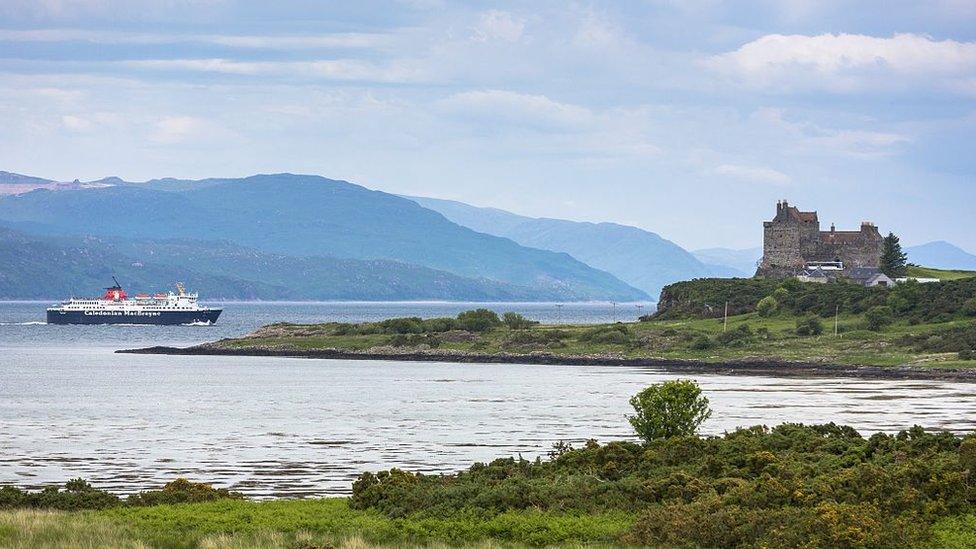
(182, 491)
(818, 486)
(789, 486)
(79, 494)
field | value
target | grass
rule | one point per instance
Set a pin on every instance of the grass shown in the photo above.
(774, 339)
(298, 523)
(941, 274)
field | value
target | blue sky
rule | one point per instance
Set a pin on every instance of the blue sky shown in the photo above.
(686, 118)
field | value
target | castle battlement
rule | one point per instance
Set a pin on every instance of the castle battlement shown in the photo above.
(793, 239)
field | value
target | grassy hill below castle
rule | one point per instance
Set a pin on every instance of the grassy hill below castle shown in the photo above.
(921, 326)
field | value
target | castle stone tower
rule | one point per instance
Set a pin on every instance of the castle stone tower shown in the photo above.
(793, 238)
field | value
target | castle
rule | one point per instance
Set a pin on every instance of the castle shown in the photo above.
(793, 243)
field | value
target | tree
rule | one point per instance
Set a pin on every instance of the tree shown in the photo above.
(478, 320)
(893, 259)
(516, 321)
(767, 306)
(879, 317)
(669, 409)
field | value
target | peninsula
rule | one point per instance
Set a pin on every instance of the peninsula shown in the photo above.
(769, 326)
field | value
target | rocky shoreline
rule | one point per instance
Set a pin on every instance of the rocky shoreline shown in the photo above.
(757, 366)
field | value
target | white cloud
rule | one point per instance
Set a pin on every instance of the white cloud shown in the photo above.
(332, 69)
(284, 42)
(753, 174)
(76, 123)
(518, 109)
(498, 25)
(847, 62)
(171, 130)
(851, 142)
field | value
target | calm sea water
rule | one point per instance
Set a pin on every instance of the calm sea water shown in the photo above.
(280, 427)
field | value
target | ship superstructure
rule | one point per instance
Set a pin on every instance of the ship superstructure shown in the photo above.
(116, 307)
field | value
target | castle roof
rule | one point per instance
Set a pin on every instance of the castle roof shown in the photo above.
(803, 216)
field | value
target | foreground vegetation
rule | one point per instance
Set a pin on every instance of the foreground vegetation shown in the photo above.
(920, 325)
(789, 486)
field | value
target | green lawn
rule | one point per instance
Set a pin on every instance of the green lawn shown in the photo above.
(772, 338)
(297, 523)
(941, 274)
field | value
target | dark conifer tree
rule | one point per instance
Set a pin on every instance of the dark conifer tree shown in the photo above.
(893, 259)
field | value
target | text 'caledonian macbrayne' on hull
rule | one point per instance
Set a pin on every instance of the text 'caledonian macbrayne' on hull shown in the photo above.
(115, 307)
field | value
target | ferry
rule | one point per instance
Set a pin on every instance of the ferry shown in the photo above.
(116, 307)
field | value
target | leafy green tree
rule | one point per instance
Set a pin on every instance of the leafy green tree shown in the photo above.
(893, 260)
(969, 307)
(767, 306)
(879, 317)
(478, 320)
(516, 321)
(670, 409)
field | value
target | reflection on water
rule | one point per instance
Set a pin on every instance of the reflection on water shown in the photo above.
(297, 427)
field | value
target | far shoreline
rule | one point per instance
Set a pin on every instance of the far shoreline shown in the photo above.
(758, 366)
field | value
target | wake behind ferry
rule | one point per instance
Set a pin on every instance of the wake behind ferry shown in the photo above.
(115, 307)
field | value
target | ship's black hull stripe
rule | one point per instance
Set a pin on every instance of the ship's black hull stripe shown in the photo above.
(133, 317)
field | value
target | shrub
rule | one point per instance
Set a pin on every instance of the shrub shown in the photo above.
(414, 340)
(969, 307)
(967, 455)
(737, 336)
(538, 337)
(439, 325)
(789, 486)
(878, 317)
(781, 294)
(478, 320)
(669, 409)
(767, 306)
(967, 354)
(182, 490)
(809, 326)
(616, 334)
(515, 321)
(77, 495)
(701, 343)
(410, 325)
(947, 340)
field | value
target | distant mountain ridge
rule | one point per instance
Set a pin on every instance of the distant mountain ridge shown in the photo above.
(222, 270)
(299, 216)
(744, 261)
(941, 255)
(641, 258)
